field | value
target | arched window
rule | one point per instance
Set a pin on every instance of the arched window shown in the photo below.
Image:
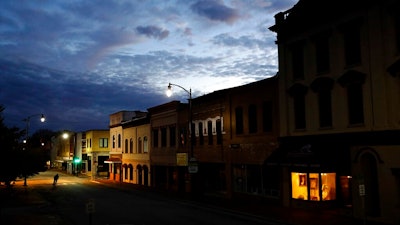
(145, 145)
(126, 146)
(119, 140)
(131, 145)
(139, 147)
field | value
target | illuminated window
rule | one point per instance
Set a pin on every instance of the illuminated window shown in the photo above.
(313, 186)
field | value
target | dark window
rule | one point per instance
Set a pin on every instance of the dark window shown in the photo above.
(298, 61)
(155, 138)
(299, 111)
(131, 145)
(183, 137)
(163, 137)
(201, 136)
(352, 46)
(325, 108)
(219, 131)
(209, 131)
(267, 116)
(239, 120)
(172, 136)
(119, 140)
(140, 144)
(322, 55)
(126, 146)
(113, 141)
(355, 103)
(252, 118)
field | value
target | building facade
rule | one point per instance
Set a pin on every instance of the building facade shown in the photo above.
(97, 151)
(136, 150)
(339, 104)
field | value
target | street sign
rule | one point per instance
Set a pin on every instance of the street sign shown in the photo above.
(90, 206)
(361, 189)
(193, 165)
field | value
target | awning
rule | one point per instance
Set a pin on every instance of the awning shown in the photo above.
(113, 160)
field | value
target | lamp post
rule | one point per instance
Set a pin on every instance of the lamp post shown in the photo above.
(28, 120)
(72, 151)
(192, 164)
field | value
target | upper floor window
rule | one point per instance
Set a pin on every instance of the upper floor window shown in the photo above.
(298, 61)
(322, 54)
(239, 120)
(113, 139)
(267, 116)
(139, 145)
(172, 136)
(353, 81)
(103, 142)
(193, 133)
(119, 140)
(323, 86)
(201, 136)
(163, 137)
(155, 138)
(210, 133)
(298, 92)
(126, 146)
(252, 118)
(352, 42)
(131, 145)
(218, 126)
(145, 145)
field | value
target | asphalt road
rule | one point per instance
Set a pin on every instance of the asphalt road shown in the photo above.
(81, 201)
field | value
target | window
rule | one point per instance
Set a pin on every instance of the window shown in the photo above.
(352, 46)
(313, 186)
(267, 116)
(239, 120)
(201, 136)
(355, 104)
(163, 137)
(119, 140)
(113, 141)
(103, 142)
(298, 61)
(155, 138)
(126, 146)
(131, 145)
(322, 55)
(252, 118)
(299, 111)
(172, 136)
(325, 108)
(209, 131)
(145, 145)
(298, 92)
(139, 145)
(219, 131)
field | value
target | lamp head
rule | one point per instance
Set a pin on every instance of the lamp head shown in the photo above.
(169, 90)
(43, 118)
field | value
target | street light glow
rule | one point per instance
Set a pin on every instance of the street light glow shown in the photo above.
(169, 91)
(65, 135)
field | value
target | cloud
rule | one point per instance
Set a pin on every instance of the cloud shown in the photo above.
(153, 32)
(215, 10)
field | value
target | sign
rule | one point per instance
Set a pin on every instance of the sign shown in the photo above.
(193, 166)
(181, 159)
(361, 189)
(90, 206)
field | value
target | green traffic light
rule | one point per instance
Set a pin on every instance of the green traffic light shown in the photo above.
(77, 160)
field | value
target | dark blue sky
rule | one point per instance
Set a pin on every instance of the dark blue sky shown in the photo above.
(77, 62)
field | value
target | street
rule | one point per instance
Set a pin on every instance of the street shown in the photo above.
(81, 201)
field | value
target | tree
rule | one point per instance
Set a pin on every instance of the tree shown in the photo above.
(9, 139)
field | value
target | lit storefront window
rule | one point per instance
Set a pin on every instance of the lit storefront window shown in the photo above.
(313, 186)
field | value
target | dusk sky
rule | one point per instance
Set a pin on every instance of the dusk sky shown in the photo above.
(79, 61)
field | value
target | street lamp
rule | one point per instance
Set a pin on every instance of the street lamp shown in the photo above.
(169, 93)
(27, 120)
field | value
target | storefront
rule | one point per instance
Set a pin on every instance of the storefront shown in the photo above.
(317, 172)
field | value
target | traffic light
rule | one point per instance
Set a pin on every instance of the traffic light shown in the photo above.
(77, 160)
